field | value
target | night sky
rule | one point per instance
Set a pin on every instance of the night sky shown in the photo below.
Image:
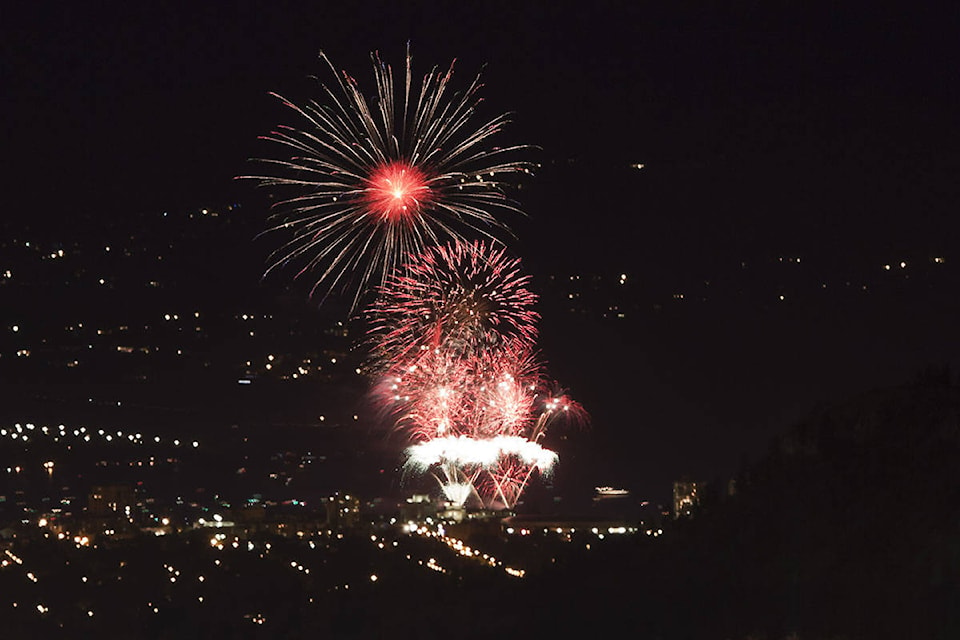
(827, 134)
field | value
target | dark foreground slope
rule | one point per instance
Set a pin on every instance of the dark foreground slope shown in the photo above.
(848, 528)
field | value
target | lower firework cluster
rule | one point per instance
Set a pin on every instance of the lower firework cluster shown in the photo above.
(453, 331)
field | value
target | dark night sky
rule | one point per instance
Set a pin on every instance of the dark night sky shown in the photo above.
(830, 133)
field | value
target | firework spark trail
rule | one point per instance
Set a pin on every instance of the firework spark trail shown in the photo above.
(369, 183)
(454, 333)
(466, 298)
(509, 380)
(497, 392)
(506, 481)
(479, 421)
(488, 394)
(556, 406)
(457, 482)
(477, 418)
(458, 492)
(429, 397)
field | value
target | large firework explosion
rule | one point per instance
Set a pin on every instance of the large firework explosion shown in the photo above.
(495, 458)
(476, 416)
(370, 182)
(438, 394)
(467, 297)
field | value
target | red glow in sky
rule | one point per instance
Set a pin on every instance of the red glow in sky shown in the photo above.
(397, 191)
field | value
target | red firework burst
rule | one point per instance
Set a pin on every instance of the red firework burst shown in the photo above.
(429, 396)
(493, 396)
(507, 385)
(555, 406)
(464, 298)
(441, 394)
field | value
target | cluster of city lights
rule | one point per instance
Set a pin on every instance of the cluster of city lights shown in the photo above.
(29, 575)
(79, 540)
(173, 574)
(27, 432)
(460, 548)
(224, 540)
(600, 532)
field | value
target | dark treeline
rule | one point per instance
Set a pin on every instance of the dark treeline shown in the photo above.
(847, 528)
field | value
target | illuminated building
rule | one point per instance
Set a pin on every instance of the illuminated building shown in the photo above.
(686, 498)
(110, 511)
(343, 511)
(417, 508)
(105, 500)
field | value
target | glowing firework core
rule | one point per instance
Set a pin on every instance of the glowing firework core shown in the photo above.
(396, 191)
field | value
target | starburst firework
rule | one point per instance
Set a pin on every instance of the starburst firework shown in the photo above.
(464, 298)
(372, 181)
